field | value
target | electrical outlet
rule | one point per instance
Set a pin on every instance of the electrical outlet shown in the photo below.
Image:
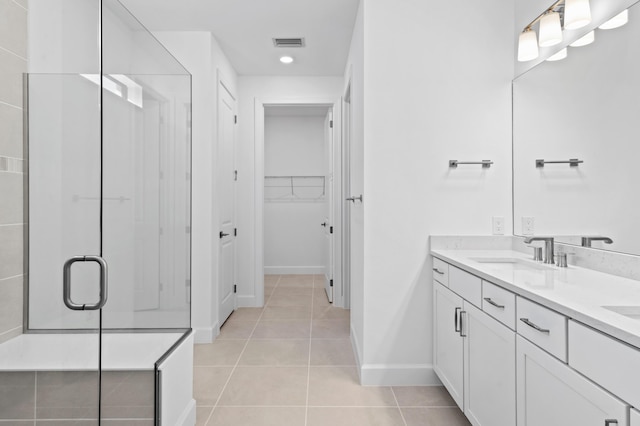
(497, 225)
(528, 227)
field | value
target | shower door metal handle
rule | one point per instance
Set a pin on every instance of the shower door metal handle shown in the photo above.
(66, 282)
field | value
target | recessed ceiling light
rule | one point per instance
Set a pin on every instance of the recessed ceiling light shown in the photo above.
(286, 59)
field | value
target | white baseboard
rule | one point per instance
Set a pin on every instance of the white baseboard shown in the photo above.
(188, 417)
(246, 302)
(356, 349)
(294, 270)
(206, 334)
(392, 374)
(398, 375)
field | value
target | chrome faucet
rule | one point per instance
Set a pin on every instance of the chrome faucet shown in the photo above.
(548, 247)
(586, 241)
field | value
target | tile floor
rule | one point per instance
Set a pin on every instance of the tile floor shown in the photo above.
(291, 364)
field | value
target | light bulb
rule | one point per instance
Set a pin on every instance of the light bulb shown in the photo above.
(577, 14)
(286, 59)
(588, 38)
(617, 21)
(527, 46)
(550, 30)
(558, 56)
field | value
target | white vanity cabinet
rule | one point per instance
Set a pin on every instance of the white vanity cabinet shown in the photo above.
(515, 354)
(474, 358)
(551, 393)
(489, 369)
(612, 364)
(448, 343)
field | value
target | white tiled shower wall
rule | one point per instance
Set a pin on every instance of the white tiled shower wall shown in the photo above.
(13, 63)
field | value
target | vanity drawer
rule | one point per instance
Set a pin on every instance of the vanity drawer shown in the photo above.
(542, 326)
(499, 303)
(612, 364)
(467, 286)
(441, 271)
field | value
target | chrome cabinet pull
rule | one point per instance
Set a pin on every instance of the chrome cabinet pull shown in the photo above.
(492, 303)
(610, 422)
(534, 326)
(455, 319)
(438, 271)
(66, 283)
(462, 323)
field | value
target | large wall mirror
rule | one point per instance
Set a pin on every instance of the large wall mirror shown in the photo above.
(587, 108)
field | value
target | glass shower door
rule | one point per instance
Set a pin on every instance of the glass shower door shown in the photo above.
(108, 216)
(67, 276)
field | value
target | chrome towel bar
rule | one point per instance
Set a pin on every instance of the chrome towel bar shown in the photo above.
(573, 162)
(485, 163)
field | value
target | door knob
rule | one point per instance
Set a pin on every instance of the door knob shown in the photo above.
(353, 199)
(323, 224)
(222, 234)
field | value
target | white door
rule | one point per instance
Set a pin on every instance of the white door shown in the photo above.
(227, 178)
(328, 218)
(489, 370)
(448, 342)
(550, 393)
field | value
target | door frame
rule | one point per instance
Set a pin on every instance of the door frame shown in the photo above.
(221, 84)
(343, 209)
(259, 107)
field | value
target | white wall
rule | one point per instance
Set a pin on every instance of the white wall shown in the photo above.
(354, 79)
(250, 89)
(293, 237)
(13, 57)
(436, 87)
(201, 54)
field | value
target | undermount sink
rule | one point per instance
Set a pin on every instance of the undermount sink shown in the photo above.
(632, 312)
(510, 263)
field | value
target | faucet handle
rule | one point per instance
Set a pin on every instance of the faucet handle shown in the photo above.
(562, 259)
(537, 253)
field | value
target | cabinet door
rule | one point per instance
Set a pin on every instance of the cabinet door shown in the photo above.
(490, 369)
(550, 393)
(635, 418)
(448, 343)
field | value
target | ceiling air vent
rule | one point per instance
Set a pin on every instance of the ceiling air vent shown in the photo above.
(288, 42)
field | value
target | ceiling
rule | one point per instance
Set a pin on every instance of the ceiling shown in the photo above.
(245, 28)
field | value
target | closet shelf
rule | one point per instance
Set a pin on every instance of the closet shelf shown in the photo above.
(291, 189)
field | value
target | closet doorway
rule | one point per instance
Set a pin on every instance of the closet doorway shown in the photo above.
(298, 179)
(301, 185)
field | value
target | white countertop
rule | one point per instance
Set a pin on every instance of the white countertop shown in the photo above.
(576, 292)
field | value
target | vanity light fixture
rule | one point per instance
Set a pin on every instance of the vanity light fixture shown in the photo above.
(588, 38)
(573, 13)
(558, 56)
(527, 45)
(550, 29)
(617, 21)
(286, 59)
(577, 14)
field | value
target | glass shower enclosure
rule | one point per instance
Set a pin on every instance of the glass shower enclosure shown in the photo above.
(107, 305)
